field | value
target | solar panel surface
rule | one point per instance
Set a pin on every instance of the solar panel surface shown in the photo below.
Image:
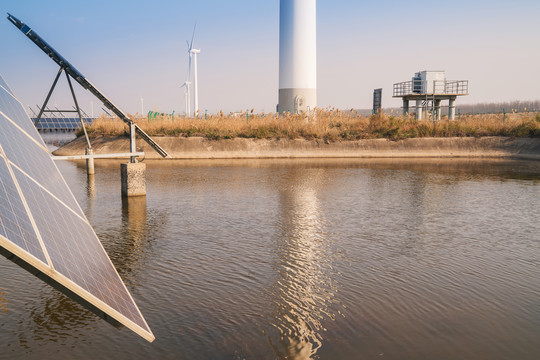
(5, 85)
(60, 123)
(13, 109)
(42, 225)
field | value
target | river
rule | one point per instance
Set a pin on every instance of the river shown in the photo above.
(303, 259)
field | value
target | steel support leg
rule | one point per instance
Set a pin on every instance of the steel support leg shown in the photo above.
(78, 111)
(132, 147)
(48, 97)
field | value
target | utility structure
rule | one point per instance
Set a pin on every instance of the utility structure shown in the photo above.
(377, 101)
(428, 89)
(133, 181)
(297, 56)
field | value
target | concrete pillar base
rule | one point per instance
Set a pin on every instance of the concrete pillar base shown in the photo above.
(452, 109)
(419, 109)
(437, 110)
(90, 162)
(405, 107)
(133, 178)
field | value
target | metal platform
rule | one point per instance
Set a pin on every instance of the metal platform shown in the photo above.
(441, 88)
(428, 89)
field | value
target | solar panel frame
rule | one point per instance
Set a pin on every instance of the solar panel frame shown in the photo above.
(4, 84)
(56, 222)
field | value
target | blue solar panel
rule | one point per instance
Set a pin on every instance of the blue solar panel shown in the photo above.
(55, 123)
(11, 108)
(43, 228)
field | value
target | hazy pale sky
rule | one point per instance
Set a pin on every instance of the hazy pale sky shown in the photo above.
(134, 49)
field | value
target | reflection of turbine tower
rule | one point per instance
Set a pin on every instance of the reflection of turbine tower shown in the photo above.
(304, 288)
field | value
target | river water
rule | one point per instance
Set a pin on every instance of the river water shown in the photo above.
(318, 259)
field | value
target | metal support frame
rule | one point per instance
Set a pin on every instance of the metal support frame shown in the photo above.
(42, 110)
(99, 156)
(77, 76)
(132, 147)
(77, 108)
(79, 111)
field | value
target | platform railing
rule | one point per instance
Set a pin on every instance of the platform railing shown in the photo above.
(440, 87)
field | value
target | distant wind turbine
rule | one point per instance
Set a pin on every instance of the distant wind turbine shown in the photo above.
(193, 55)
(187, 85)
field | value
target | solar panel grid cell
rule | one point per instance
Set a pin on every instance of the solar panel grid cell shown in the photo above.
(15, 224)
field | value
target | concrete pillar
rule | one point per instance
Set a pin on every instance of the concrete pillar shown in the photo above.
(419, 110)
(133, 178)
(90, 162)
(438, 109)
(452, 108)
(405, 106)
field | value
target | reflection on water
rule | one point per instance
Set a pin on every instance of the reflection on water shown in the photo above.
(304, 285)
(3, 302)
(58, 317)
(340, 259)
(91, 187)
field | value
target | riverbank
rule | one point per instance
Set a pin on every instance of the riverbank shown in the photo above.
(241, 148)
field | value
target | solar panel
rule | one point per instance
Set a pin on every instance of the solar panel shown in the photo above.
(70, 124)
(13, 109)
(43, 229)
(5, 85)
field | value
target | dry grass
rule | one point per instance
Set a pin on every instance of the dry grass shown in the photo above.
(328, 124)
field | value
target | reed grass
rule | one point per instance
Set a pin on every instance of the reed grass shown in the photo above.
(327, 124)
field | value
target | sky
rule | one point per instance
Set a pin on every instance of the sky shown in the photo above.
(133, 50)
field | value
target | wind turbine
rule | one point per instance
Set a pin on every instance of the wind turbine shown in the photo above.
(187, 85)
(193, 54)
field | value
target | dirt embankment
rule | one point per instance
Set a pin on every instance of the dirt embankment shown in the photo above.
(239, 148)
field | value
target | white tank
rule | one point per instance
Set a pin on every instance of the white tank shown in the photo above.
(297, 56)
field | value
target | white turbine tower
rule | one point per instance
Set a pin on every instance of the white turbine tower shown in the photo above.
(187, 92)
(193, 55)
(297, 55)
(195, 52)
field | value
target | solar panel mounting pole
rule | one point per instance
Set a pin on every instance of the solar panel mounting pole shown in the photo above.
(132, 147)
(77, 76)
(79, 112)
(42, 110)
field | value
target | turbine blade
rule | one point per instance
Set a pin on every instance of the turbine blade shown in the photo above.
(192, 37)
(189, 67)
